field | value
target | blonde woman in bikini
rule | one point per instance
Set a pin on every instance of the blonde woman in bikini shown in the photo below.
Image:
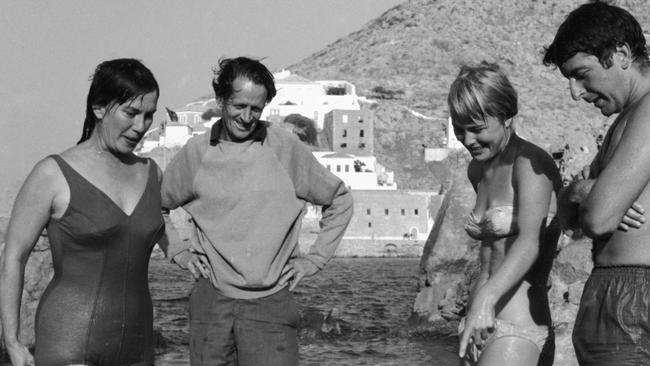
(508, 321)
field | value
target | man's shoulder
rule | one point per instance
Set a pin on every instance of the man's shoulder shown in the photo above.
(278, 133)
(638, 111)
(646, 98)
(198, 142)
(280, 138)
(199, 139)
(194, 148)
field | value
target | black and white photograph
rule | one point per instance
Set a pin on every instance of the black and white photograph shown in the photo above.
(325, 183)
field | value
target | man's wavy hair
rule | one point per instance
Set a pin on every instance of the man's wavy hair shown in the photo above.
(230, 69)
(597, 28)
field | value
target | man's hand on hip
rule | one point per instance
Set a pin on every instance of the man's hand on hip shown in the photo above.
(294, 271)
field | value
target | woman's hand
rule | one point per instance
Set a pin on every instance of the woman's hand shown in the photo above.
(19, 354)
(479, 323)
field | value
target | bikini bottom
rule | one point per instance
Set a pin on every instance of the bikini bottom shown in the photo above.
(538, 335)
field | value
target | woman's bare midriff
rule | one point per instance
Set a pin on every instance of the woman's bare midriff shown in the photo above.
(526, 305)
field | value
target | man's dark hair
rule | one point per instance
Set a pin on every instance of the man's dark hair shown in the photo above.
(231, 68)
(597, 28)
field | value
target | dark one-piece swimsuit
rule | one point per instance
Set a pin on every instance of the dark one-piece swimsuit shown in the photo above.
(97, 309)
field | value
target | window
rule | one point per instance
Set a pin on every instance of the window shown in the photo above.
(403, 212)
(367, 211)
(344, 145)
(275, 112)
(370, 224)
(416, 211)
(347, 168)
(360, 119)
(338, 168)
(329, 167)
(361, 133)
(344, 118)
(386, 211)
(345, 133)
(362, 145)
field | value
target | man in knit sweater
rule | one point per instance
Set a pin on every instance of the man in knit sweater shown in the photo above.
(246, 185)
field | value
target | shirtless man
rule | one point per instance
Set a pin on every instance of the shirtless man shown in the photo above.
(601, 50)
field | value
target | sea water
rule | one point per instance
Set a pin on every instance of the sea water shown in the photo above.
(354, 312)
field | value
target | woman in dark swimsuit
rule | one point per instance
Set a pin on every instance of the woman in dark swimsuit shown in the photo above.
(100, 204)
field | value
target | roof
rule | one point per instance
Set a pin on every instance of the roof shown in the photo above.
(294, 79)
(432, 198)
(203, 98)
(337, 155)
(176, 124)
(198, 106)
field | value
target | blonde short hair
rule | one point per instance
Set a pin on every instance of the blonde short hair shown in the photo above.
(479, 92)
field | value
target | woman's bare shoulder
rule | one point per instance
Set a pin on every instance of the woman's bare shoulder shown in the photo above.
(530, 153)
(45, 169)
(533, 158)
(44, 182)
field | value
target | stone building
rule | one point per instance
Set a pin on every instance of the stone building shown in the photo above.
(390, 223)
(350, 131)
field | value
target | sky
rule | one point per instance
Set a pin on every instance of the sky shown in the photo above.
(50, 48)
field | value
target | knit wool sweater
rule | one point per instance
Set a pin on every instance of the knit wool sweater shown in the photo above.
(247, 200)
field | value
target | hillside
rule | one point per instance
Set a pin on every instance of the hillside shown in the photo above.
(413, 51)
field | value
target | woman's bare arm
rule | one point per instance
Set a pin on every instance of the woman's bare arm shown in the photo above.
(31, 212)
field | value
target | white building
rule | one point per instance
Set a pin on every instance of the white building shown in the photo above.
(371, 174)
(312, 99)
(452, 141)
(176, 134)
(191, 114)
(190, 123)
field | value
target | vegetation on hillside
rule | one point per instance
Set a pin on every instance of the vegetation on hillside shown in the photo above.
(408, 57)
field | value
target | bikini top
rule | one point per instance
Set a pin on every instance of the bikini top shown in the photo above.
(497, 222)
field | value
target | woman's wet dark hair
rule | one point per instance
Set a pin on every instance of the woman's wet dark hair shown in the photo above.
(116, 82)
(231, 68)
